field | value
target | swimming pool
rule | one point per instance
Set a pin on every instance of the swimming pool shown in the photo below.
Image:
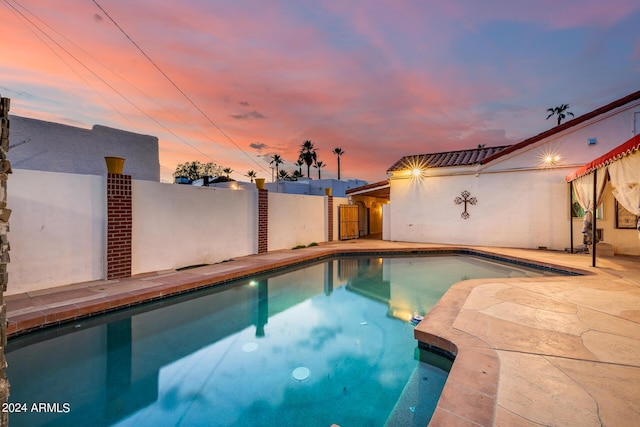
(325, 343)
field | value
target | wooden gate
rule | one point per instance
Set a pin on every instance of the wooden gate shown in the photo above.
(348, 222)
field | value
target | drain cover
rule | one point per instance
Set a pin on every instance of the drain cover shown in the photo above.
(301, 373)
(249, 347)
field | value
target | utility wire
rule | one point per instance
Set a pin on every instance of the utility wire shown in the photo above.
(19, 15)
(100, 79)
(176, 86)
(134, 87)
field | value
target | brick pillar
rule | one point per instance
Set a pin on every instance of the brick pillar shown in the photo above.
(5, 169)
(118, 226)
(263, 221)
(330, 218)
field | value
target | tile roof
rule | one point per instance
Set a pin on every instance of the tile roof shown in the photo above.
(446, 159)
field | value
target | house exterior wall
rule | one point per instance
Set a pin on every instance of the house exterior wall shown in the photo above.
(524, 209)
(54, 147)
(314, 186)
(57, 229)
(623, 241)
(178, 225)
(521, 201)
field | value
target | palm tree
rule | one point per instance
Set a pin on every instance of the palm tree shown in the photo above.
(252, 174)
(283, 174)
(308, 155)
(299, 163)
(277, 160)
(296, 174)
(227, 171)
(319, 166)
(560, 111)
(338, 152)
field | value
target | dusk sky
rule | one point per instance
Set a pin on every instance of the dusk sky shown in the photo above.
(246, 79)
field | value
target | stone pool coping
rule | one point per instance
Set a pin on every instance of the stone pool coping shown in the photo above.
(563, 326)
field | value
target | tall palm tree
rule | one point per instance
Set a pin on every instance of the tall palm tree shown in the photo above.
(277, 160)
(560, 111)
(252, 174)
(227, 171)
(338, 152)
(308, 155)
(319, 166)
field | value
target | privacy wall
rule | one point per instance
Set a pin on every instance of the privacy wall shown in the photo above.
(59, 226)
(177, 226)
(57, 229)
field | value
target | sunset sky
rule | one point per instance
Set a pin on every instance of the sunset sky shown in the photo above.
(235, 82)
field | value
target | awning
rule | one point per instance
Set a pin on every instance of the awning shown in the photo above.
(622, 150)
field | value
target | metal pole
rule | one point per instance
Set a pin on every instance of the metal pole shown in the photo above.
(571, 213)
(595, 202)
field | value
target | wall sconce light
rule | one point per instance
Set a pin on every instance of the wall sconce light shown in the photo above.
(551, 160)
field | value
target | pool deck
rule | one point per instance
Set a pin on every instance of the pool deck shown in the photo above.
(548, 351)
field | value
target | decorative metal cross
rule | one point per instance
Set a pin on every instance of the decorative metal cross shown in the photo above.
(465, 199)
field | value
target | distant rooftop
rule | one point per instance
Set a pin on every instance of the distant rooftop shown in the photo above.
(446, 159)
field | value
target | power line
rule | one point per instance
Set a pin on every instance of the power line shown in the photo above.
(134, 87)
(96, 76)
(176, 86)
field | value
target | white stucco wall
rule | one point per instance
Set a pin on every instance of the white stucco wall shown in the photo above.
(523, 209)
(178, 225)
(296, 219)
(386, 222)
(58, 226)
(57, 232)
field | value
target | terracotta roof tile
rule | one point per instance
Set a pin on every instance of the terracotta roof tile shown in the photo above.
(446, 159)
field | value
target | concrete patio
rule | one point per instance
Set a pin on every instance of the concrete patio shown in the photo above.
(558, 351)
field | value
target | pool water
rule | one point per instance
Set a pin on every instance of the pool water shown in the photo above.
(326, 343)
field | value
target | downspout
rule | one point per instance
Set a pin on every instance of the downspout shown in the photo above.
(594, 239)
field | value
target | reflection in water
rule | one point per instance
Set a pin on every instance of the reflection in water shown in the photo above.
(226, 356)
(263, 307)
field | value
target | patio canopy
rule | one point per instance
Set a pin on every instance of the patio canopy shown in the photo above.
(622, 150)
(622, 167)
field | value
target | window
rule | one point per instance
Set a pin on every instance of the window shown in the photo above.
(578, 212)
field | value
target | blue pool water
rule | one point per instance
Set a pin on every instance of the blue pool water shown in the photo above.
(326, 343)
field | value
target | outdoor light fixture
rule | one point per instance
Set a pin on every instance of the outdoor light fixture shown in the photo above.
(549, 159)
(414, 167)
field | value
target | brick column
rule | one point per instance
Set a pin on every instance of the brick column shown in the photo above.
(5, 169)
(330, 218)
(263, 221)
(118, 226)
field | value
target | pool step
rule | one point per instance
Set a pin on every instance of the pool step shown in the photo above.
(419, 397)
